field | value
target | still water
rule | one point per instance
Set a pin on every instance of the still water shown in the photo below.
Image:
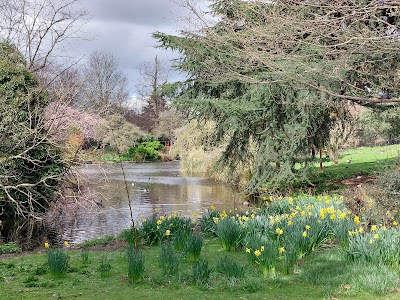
(154, 189)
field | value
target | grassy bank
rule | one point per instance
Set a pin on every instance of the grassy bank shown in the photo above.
(324, 275)
(361, 161)
(302, 248)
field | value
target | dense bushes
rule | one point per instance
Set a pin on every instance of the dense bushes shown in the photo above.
(30, 163)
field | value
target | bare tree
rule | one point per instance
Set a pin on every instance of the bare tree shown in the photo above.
(153, 77)
(41, 28)
(106, 87)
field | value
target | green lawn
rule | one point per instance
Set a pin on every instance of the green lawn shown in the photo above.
(364, 161)
(323, 275)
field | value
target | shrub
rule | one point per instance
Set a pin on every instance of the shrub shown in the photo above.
(388, 189)
(146, 150)
(9, 248)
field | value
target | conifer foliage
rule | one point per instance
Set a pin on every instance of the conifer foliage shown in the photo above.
(275, 76)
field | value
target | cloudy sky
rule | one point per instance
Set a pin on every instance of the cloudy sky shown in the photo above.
(124, 28)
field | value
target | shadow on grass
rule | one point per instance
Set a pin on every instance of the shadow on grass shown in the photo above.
(346, 170)
(338, 275)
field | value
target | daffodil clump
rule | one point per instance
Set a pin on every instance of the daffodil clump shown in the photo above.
(286, 229)
(164, 228)
(57, 259)
(377, 244)
(212, 217)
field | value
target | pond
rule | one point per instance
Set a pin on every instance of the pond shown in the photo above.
(154, 189)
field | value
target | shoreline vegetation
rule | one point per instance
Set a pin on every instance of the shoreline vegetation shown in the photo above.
(352, 163)
(312, 247)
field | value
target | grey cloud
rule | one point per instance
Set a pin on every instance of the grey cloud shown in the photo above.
(124, 28)
(145, 12)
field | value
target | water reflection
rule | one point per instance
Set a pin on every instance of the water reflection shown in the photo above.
(154, 188)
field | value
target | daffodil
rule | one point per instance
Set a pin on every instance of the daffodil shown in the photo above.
(376, 236)
(248, 250)
(308, 227)
(46, 245)
(194, 215)
(304, 233)
(290, 223)
(168, 233)
(262, 248)
(65, 243)
(281, 250)
(212, 208)
(279, 231)
(257, 253)
(357, 220)
(373, 227)
(395, 223)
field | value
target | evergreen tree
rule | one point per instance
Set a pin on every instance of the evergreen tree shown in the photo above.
(249, 99)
